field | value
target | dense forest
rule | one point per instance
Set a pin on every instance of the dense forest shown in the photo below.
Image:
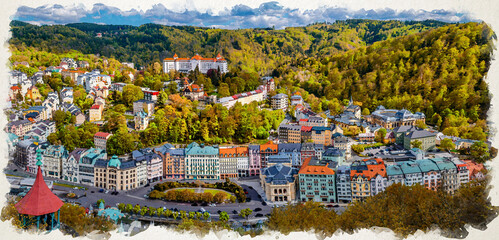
(261, 50)
(429, 66)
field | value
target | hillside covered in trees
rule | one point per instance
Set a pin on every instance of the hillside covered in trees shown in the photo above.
(260, 50)
(432, 67)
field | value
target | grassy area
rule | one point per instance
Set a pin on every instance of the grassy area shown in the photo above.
(206, 190)
(215, 191)
(181, 189)
(69, 186)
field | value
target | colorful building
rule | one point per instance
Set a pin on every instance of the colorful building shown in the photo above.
(202, 162)
(100, 139)
(267, 149)
(343, 184)
(279, 183)
(317, 181)
(228, 162)
(322, 135)
(254, 160)
(115, 174)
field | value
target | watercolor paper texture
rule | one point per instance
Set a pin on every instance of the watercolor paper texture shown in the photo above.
(315, 119)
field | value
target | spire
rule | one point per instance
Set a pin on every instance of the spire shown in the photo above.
(351, 101)
(39, 157)
(175, 56)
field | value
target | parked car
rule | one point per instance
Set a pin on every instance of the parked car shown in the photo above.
(101, 190)
(204, 204)
(92, 191)
(202, 210)
(264, 203)
(259, 215)
(258, 209)
(194, 204)
(219, 211)
(235, 211)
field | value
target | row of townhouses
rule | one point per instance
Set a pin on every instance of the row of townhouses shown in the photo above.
(321, 180)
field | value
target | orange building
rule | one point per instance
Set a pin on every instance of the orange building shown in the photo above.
(368, 178)
(266, 150)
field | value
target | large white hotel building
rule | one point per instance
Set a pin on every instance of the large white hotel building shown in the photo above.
(189, 64)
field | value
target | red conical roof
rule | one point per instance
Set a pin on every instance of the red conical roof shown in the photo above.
(39, 200)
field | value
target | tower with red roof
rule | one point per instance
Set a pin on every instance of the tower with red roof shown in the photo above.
(40, 202)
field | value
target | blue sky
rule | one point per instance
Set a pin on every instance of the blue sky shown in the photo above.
(266, 14)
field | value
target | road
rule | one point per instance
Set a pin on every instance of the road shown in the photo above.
(90, 195)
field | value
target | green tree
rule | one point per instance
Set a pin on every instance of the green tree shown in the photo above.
(416, 144)
(447, 144)
(480, 151)
(244, 213)
(380, 135)
(132, 93)
(143, 211)
(100, 201)
(206, 215)
(224, 217)
(365, 111)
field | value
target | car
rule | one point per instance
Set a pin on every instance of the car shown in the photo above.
(235, 211)
(107, 191)
(202, 210)
(213, 205)
(219, 211)
(264, 203)
(245, 191)
(145, 196)
(75, 188)
(248, 199)
(194, 204)
(336, 205)
(259, 215)
(204, 204)
(15, 170)
(92, 191)
(175, 210)
(258, 209)
(101, 190)
(250, 187)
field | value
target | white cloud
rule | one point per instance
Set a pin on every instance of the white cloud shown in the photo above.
(267, 14)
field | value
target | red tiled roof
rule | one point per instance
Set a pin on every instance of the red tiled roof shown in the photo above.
(303, 120)
(306, 128)
(372, 170)
(102, 134)
(15, 88)
(95, 106)
(310, 169)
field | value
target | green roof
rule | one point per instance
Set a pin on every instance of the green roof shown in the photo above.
(444, 164)
(426, 165)
(196, 149)
(114, 162)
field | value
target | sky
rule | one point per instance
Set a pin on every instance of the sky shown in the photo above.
(237, 15)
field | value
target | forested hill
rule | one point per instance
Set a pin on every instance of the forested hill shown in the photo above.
(259, 50)
(429, 66)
